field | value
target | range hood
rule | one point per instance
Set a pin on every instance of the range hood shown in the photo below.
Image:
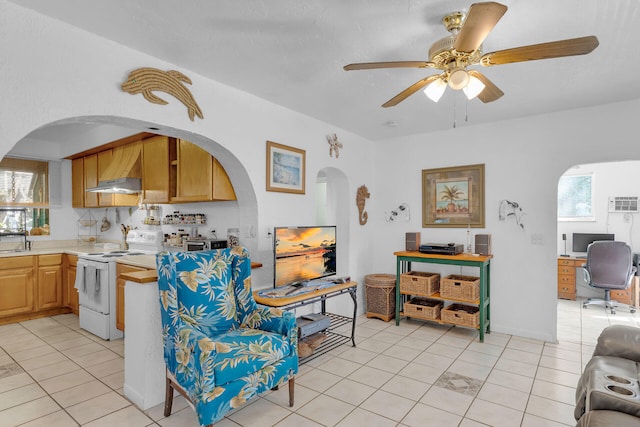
(118, 186)
(122, 175)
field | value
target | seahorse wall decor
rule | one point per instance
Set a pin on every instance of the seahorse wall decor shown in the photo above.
(146, 80)
(361, 195)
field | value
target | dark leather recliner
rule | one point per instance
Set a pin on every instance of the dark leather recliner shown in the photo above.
(608, 392)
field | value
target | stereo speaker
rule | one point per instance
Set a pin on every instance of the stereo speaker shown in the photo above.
(483, 244)
(412, 241)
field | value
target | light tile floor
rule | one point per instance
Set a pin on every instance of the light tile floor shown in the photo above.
(418, 374)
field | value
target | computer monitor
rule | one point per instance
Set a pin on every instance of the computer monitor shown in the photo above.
(582, 240)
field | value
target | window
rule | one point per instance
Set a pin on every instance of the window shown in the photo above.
(575, 195)
(25, 183)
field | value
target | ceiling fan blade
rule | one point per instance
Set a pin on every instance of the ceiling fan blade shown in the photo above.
(410, 91)
(557, 49)
(490, 92)
(480, 20)
(390, 64)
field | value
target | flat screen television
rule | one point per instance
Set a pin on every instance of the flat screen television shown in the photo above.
(303, 253)
(582, 240)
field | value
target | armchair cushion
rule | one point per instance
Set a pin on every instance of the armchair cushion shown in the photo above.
(206, 299)
(246, 351)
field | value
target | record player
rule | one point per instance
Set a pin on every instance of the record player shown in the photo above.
(441, 248)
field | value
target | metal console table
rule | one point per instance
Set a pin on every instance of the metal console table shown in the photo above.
(334, 338)
(403, 265)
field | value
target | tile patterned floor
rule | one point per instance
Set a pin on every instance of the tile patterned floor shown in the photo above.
(418, 374)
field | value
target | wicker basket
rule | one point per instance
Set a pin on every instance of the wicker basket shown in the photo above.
(419, 283)
(380, 295)
(423, 308)
(460, 314)
(458, 287)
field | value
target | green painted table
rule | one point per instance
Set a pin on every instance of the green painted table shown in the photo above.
(403, 265)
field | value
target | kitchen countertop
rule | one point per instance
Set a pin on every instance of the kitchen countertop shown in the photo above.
(73, 248)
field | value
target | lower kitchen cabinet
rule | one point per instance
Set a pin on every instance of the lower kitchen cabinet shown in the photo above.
(50, 282)
(16, 285)
(70, 297)
(121, 269)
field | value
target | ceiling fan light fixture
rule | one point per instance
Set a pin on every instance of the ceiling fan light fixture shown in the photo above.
(473, 88)
(435, 90)
(458, 78)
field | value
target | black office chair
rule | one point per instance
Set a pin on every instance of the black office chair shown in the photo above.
(610, 267)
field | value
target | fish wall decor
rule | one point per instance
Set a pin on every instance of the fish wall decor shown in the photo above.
(147, 80)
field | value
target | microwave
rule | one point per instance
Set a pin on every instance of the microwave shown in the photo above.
(203, 245)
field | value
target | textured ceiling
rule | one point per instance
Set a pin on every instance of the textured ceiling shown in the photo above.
(291, 52)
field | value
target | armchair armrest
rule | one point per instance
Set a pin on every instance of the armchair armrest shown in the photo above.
(619, 341)
(271, 320)
(194, 354)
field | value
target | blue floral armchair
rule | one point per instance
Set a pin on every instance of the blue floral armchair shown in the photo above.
(220, 347)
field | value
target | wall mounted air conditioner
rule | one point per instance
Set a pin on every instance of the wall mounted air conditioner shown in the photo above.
(623, 204)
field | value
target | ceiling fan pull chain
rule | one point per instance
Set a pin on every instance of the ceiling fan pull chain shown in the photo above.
(466, 111)
(454, 110)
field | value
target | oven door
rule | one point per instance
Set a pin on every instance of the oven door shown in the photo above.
(92, 282)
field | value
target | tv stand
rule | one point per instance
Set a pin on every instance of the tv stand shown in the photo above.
(334, 338)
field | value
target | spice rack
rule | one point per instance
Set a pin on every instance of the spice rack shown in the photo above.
(177, 218)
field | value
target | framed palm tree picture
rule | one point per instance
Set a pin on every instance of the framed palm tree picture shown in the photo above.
(453, 197)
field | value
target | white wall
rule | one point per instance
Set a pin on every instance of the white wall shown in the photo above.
(53, 72)
(523, 162)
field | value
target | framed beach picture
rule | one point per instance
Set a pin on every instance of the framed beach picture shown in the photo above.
(453, 197)
(285, 168)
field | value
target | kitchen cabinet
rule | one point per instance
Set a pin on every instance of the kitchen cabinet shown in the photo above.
(120, 282)
(193, 169)
(70, 295)
(155, 169)
(77, 183)
(172, 171)
(196, 176)
(222, 187)
(90, 180)
(50, 282)
(16, 285)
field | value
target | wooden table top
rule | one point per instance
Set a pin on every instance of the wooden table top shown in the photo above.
(282, 301)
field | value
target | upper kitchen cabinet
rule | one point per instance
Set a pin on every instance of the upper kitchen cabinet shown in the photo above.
(196, 176)
(116, 163)
(90, 180)
(171, 170)
(155, 169)
(77, 183)
(117, 160)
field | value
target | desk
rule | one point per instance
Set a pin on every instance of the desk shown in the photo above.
(334, 338)
(403, 265)
(567, 268)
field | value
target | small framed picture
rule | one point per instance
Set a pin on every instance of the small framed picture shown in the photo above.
(285, 168)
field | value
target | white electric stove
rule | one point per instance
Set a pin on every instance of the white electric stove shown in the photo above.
(96, 282)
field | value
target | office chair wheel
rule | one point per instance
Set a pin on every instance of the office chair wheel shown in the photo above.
(584, 306)
(633, 310)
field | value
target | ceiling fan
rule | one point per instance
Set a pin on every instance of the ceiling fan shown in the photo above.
(463, 48)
